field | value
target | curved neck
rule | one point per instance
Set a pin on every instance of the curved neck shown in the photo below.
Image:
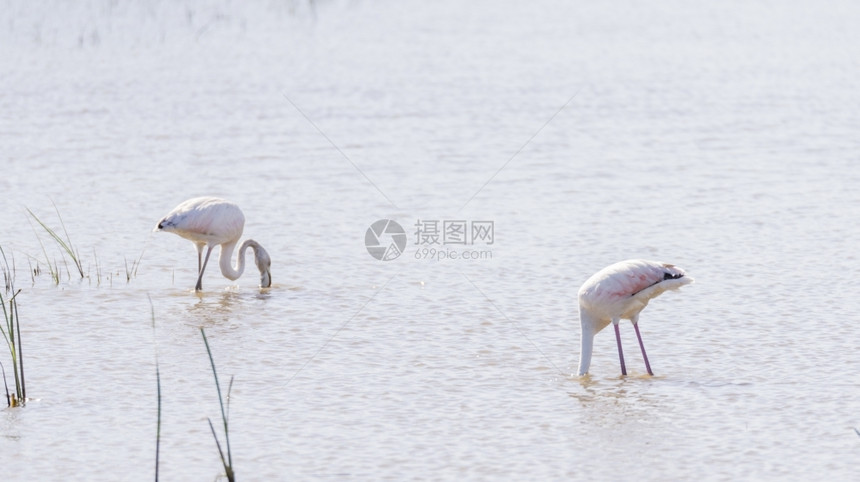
(224, 260)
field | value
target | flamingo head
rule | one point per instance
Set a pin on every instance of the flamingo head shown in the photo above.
(264, 264)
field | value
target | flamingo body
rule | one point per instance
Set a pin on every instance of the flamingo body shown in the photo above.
(210, 222)
(622, 291)
(206, 220)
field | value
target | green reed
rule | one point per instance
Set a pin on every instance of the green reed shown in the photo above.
(131, 271)
(69, 251)
(158, 384)
(228, 462)
(11, 328)
(65, 244)
(53, 269)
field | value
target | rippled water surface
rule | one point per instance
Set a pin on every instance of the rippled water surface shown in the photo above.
(722, 138)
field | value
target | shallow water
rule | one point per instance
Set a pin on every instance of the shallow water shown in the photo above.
(720, 138)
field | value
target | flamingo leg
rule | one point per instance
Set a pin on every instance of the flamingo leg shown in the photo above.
(644, 356)
(199, 286)
(620, 352)
(199, 257)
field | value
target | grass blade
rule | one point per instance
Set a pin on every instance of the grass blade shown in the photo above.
(55, 273)
(12, 328)
(217, 443)
(14, 307)
(9, 399)
(66, 245)
(72, 252)
(228, 464)
(158, 426)
(158, 384)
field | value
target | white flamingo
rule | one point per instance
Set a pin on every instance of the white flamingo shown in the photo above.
(622, 291)
(210, 221)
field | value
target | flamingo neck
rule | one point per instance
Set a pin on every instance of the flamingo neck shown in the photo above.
(585, 348)
(225, 260)
(586, 341)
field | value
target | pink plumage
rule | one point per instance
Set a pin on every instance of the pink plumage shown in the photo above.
(622, 291)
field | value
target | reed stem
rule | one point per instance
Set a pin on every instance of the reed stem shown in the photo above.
(228, 462)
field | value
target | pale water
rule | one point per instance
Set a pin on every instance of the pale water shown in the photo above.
(720, 137)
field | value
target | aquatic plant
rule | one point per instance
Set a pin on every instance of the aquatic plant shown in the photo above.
(99, 272)
(68, 249)
(66, 244)
(11, 328)
(158, 384)
(8, 275)
(37, 271)
(131, 271)
(228, 462)
(53, 269)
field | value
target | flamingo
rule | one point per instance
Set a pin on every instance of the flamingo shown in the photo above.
(622, 290)
(210, 221)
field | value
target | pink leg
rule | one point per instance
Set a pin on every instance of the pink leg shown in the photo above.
(199, 286)
(620, 352)
(199, 258)
(647, 365)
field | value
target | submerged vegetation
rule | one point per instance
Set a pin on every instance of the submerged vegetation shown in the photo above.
(11, 331)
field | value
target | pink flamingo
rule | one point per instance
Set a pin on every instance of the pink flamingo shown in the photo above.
(209, 221)
(622, 291)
